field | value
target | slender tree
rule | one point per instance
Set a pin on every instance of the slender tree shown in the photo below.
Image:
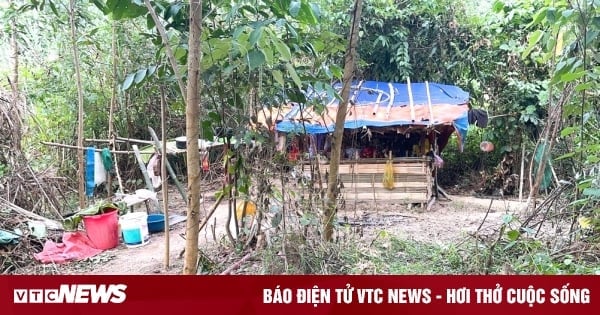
(80, 159)
(340, 120)
(14, 76)
(192, 132)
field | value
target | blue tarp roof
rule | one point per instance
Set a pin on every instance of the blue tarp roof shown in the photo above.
(440, 93)
(392, 109)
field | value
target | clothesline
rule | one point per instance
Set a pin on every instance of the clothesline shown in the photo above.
(68, 146)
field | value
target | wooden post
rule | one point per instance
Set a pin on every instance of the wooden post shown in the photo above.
(163, 172)
(168, 165)
(522, 171)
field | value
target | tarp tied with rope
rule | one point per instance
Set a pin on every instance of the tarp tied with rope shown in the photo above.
(383, 104)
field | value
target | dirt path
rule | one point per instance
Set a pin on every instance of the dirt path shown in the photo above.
(447, 222)
(150, 258)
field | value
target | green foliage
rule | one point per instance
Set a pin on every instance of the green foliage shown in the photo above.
(72, 222)
(389, 254)
(569, 39)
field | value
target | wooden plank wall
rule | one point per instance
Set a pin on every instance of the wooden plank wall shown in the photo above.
(363, 180)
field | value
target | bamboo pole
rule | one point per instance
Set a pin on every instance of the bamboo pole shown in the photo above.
(135, 140)
(163, 172)
(391, 101)
(68, 146)
(111, 108)
(429, 103)
(410, 100)
(168, 165)
(80, 153)
(120, 140)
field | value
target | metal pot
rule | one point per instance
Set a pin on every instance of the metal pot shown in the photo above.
(181, 142)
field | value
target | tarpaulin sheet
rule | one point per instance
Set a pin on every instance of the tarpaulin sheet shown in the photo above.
(380, 104)
(74, 246)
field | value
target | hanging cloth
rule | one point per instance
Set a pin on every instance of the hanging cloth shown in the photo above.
(479, 117)
(388, 173)
(107, 160)
(89, 171)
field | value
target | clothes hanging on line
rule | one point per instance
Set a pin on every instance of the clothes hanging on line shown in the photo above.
(478, 117)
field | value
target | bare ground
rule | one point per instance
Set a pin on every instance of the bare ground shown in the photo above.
(447, 222)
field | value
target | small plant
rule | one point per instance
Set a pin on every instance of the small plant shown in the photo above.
(100, 207)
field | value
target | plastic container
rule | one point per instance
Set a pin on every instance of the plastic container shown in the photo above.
(37, 228)
(156, 223)
(103, 229)
(134, 228)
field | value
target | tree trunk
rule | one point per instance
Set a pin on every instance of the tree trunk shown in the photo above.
(80, 159)
(193, 155)
(14, 80)
(14, 56)
(338, 133)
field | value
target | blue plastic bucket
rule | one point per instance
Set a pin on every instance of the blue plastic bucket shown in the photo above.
(134, 228)
(132, 236)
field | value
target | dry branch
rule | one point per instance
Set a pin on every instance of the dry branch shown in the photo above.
(51, 224)
(237, 264)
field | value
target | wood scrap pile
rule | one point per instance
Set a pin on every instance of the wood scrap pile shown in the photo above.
(17, 242)
(503, 181)
(25, 194)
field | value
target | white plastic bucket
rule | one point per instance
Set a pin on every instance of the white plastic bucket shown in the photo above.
(37, 228)
(134, 228)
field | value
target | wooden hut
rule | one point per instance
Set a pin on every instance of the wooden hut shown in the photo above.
(412, 123)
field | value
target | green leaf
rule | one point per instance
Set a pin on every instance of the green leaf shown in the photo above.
(294, 8)
(539, 16)
(278, 76)
(498, 6)
(127, 82)
(336, 71)
(256, 58)
(151, 70)
(594, 192)
(255, 35)
(306, 14)
(590, 36)
(180, 53)
(150, 22)
(139, 76)
(509, 245)
(507, 218)
(567, 13)
(568, 131)
(592, 159)
(282, 49)
(294, 75)
(571, 76)
(566, 156)
(584, 86)
(53, 8)
(276, 219)
(100, 6)
(513, 235)
(534, 38)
